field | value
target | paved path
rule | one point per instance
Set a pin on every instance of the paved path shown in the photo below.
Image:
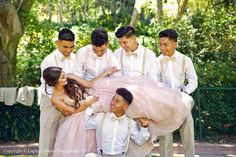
(202, 149)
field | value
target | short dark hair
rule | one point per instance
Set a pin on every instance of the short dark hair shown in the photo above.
(66, 34)
(99, 37)
(127, 95)
(125, 31)
(170, 33)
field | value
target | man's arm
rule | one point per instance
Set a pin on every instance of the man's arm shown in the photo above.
(152, 68)
(90, 83)
(191, 76)
(90, 119)
(78, 60)
(142, 135)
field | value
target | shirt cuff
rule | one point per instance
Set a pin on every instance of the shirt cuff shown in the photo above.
(89, 111)
(144, 130)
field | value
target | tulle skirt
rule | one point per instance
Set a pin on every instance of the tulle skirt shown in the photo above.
(165, 108)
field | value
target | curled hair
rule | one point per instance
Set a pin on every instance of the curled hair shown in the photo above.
(73, 89)
(99, 37)
(127, 95)
(169, 33)
(125, 31)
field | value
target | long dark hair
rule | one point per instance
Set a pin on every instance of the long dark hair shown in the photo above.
(73, 89)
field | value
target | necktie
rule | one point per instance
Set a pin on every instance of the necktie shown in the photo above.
(65, 58)
(167, 59)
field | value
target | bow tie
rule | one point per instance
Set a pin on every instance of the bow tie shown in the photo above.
(167, 59)
(131, 54)
(65, 58)
(114, 118)
(96, 57)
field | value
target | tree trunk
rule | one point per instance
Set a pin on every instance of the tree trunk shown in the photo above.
(12, 24)
(49, 10)
(159, 10)
(61, 12)
(121, 7)
(181, 10)
(136, 12)
(134, 18)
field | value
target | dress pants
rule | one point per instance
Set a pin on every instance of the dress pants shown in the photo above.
(187, 138)
(49, 121)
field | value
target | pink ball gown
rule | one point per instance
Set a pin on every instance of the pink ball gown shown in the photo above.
(165, 108)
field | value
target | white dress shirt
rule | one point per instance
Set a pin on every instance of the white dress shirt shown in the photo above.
(114, 132)
(88, 65)
(57, 59)
(172, 73)
(141, 63)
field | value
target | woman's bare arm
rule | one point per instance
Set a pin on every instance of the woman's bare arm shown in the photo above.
(90, 83)
(61, 105)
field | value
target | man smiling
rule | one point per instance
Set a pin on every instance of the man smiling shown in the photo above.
(93, 59)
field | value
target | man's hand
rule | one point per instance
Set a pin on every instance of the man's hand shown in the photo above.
(91, 100)
(111, 70)
(71, 76)
(144, 121)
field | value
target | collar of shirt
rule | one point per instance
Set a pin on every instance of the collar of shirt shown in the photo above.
(135, 53)
(61, 56)
(172, 58)
(94, 55)
(115, 118)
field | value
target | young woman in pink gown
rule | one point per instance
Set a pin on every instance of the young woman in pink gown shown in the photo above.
(69, 97)
(165, 108)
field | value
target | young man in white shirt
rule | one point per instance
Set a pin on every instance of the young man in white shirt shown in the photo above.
(114, 129)
(134, 59)
(93, 59)
(173, 68)
(49, 115)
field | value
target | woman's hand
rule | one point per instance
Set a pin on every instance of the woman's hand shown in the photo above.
(65, 113)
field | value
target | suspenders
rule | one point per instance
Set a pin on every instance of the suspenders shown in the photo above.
(182, 70)
(100, 135)
(56, 60)
(143, 61)
(106, 62)
(100, 131)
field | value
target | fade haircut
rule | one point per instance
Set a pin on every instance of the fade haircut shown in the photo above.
(99, 37)
(127, 95)
(125, 31)
(169, 33)
(66, 34)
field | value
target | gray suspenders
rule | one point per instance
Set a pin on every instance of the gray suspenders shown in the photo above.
(107, 59)
(56, 60)
(143, 62)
